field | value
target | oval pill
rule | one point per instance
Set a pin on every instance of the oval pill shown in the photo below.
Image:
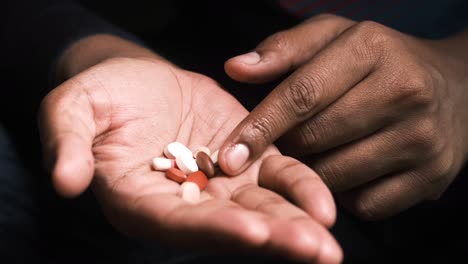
(201, 149)
(199, 178)
(186, 163)
(189, 192)
(176, 175)
(205, 164)
(175, 149)
(162, 164)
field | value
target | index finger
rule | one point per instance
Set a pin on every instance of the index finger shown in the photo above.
(310, 89)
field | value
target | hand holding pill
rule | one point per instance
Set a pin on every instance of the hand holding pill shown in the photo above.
(113, 125)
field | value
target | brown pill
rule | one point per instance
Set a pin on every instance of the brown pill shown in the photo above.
(205, 164)
(176, 175)
(199, 178)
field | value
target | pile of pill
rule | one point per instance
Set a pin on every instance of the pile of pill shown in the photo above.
(190, 169)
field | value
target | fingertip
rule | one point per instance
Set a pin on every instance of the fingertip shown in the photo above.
(253, 67)
(328, 217)
(234, 158)
(297, 181)
(325, 210)
(330, 251)
(239, 68)
(251, 58)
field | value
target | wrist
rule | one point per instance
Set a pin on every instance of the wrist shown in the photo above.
(95, 49)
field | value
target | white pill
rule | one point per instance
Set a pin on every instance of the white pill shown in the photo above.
(189, 192)
(201, 149)
(186, 163)
(214, 157)
(174, 149)
(162, 164)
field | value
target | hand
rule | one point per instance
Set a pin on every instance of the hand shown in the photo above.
(380, 115)
(106, 124)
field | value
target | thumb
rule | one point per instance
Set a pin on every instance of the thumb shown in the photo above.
(286, 50)
(67, 130)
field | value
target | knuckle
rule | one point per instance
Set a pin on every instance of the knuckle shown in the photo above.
(365, 209)
(317, 134)
(330, 174)
(304, 94)
(373, 35)
(309, 136)
(278, 41)
(438, 176)
(442, 171)
(325, 16)
(417, 89)
(260, 129)
(330, 17)
(426, 139)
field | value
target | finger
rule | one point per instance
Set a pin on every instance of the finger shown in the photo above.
(293, 233)
(303, 94)
(299, 183)
(67, 131)
(286, 50)
(265, 201)
(330, 251)
(212, 223)
(367, 159)
(347, 119)
(305, 241)
(390, 195)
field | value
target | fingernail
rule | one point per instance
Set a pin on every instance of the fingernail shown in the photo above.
(250, 58)
(236, 156)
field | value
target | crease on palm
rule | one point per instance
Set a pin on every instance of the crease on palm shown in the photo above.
(123, 159)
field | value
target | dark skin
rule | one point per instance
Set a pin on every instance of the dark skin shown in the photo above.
(121, 105)
(380, 115)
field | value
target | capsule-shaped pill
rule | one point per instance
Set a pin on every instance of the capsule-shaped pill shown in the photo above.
(163, 164)
(176, 175)
(175, 149)
(199, 178)
(189, 192)
(186, 163)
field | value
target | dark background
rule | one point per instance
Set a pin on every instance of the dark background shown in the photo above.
(197, 37)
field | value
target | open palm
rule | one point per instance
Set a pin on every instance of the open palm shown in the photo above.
(106, 124)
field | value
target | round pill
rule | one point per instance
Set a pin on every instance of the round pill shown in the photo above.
(201, 149)
(162, 164)
(175, 149)
(186, 163)
(199, 178)
(176, 175)
(205, 164)
(189, 192)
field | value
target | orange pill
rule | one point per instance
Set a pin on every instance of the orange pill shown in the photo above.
(199, 178)
(176, 175)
